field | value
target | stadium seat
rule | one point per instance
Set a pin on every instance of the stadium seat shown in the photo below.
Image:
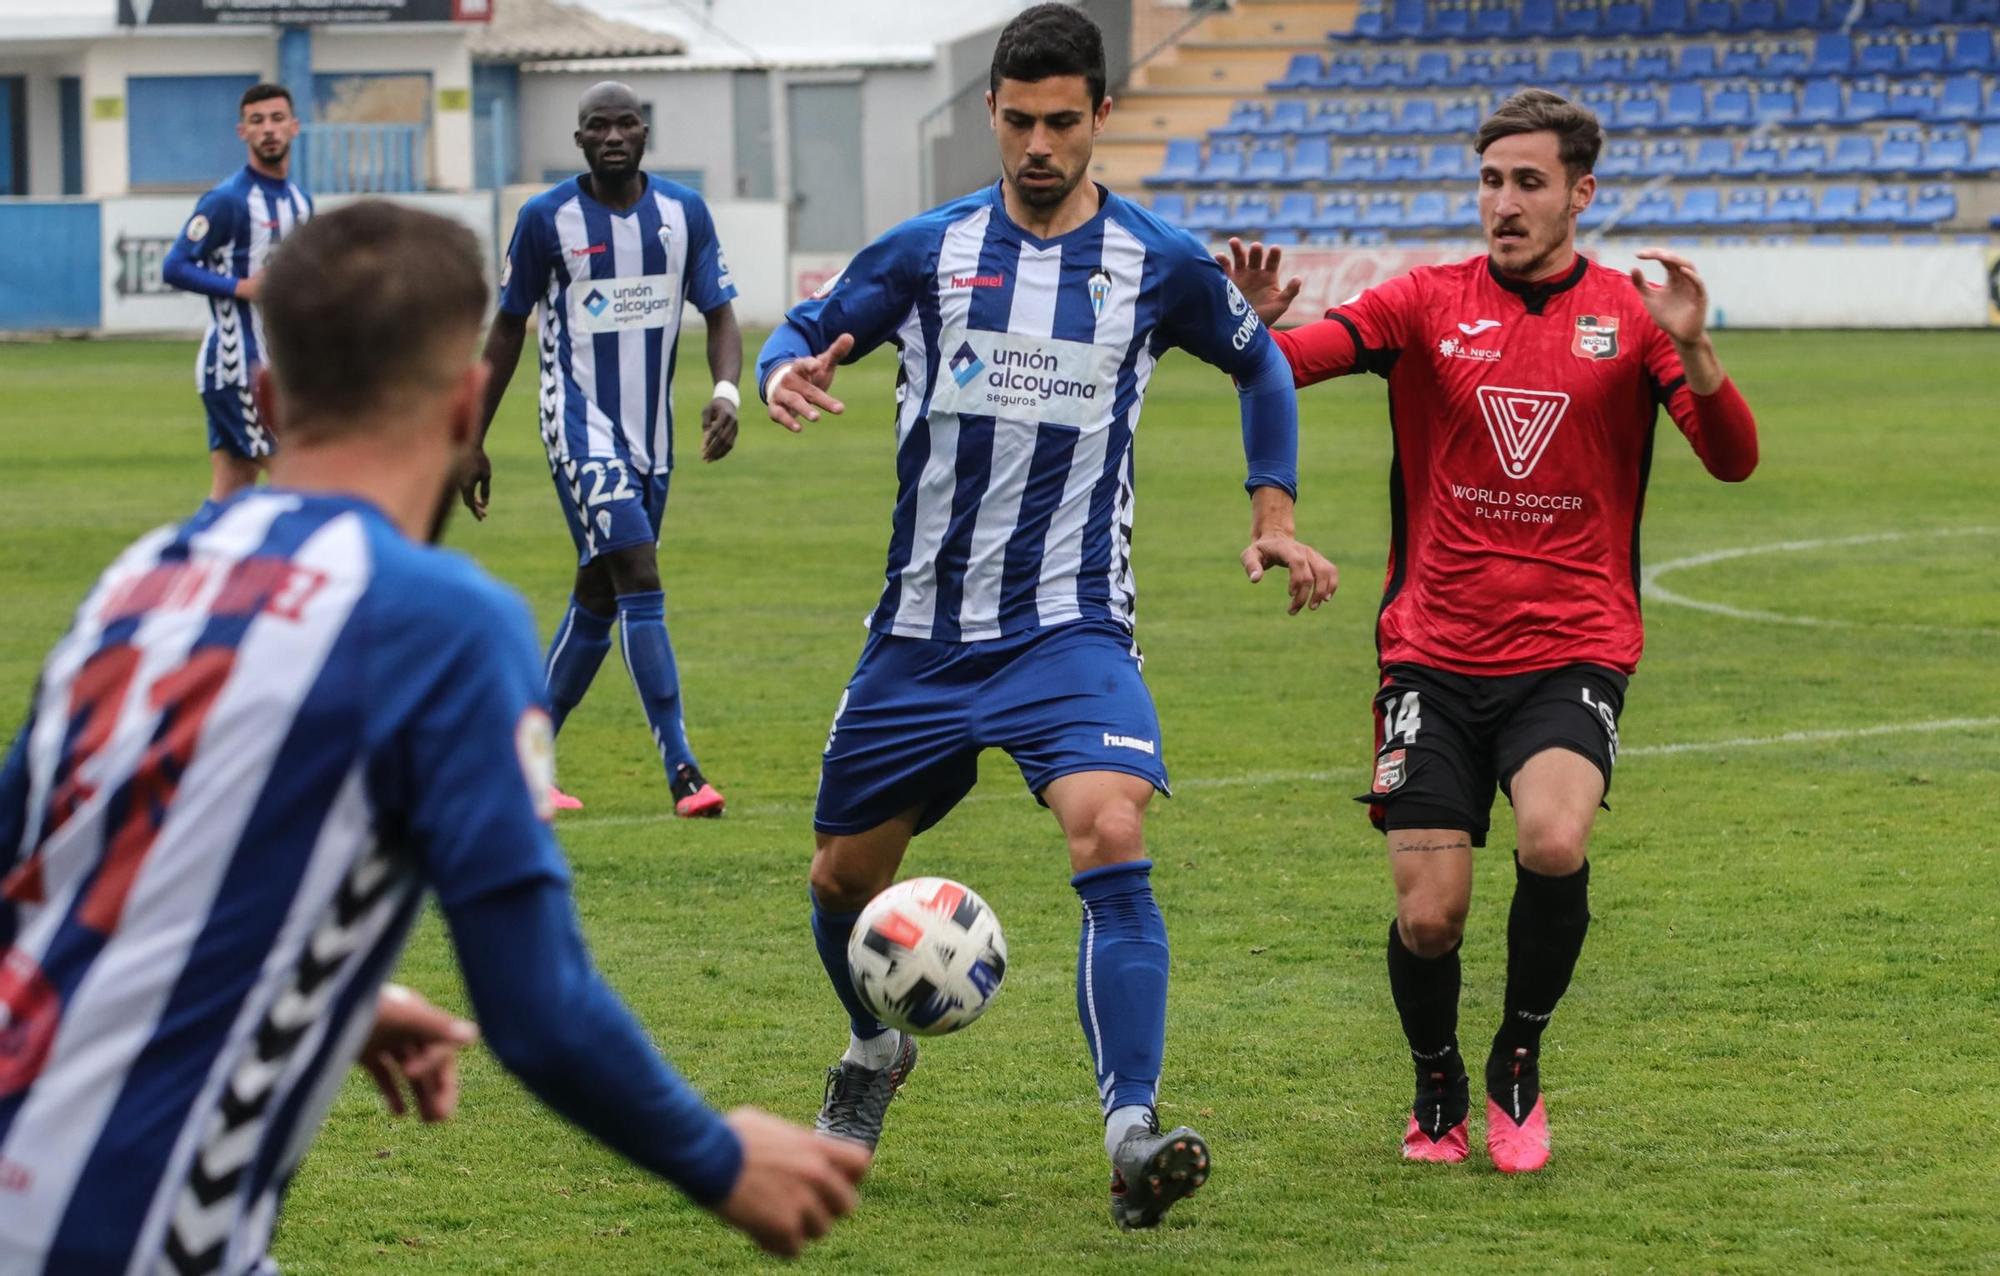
(1279, 237)
(1183, 164)
(1447, 161)
(1991, 113)
(1401, 164)
(1652, 209)
(1460, 115)
(1289, 117)
(1876, 56)
(1357, 165)
(1420, 115)
(1263, 165)
(1833, 53)
(1912, 100)
(1383, 210)
(1537, 17)
(1492, 21)
(1621, 159)
(1930, 14)
(1369, 24)
(1882, 14)
(1475, 67)
(1464, 214)
(1934, 206)
(1924, 55)
(1517, 66)
(1373, 117)
(1740, 58)
(1713, 157)
(1385, 71)
(1865, 101)
(1699, 207)
(1711, 15)
(1251, 213)
(1946, 152)
(1654, 62)
(1972, 49)
(1451, 22)
(1605, 203)
(1624, 18)
(1802, 155)
(1336, 212)
(1667, 17)
(1979, 10)
(1667, 158)
(1433, 68)
(1759, 157)
(1854, 153)
(1605, 65)
(1370, 238)
(1579, 17)
(1426, 211)
(1757, 15)
(1730, 105)
(1562, 64)
(1343, 71)
(1695, 62)
(1986, 156)
(1173, 207)
(1774, 104)
(1311, 161)
(1959, 98)
(1745, 206)
(1787, 59)
(1245, 121)
(1406, 19)
(1687, 107)
(1224, 164)
(1800, 15)
(1838, 206)
(1901, 151)
(1791, 206)
(1886, 204)
(1294, 211)
(1821, 101)
(1304, 72)
(1208, 212)
(1601, 102)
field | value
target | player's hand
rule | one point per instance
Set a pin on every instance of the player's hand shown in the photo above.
(415, 1044)
(251, 289)
(794, 1183)
(800, 392)
(1680, 305)
(1254, 271)
(1313, 575)
(718, 429)
(475, 482)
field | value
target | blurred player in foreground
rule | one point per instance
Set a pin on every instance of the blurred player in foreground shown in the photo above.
(609, 257)
(221, 254)
(1029, 317)
(1523, 387)
(267, 733)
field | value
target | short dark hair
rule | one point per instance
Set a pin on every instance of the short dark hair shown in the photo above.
(1579, 137)
(362, 303)
(264, 93)
(1050, 40)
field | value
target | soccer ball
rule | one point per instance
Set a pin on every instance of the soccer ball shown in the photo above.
(927, 956)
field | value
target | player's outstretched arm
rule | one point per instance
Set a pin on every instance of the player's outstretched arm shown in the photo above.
(1712, 413)
(1273, 543)
(502, 355)
(1253, 268)
(553, 1022)
(725, 364)
(795, 387)
(1271, 454)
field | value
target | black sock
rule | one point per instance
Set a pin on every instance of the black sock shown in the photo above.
(1545, 929)
(1426, 994)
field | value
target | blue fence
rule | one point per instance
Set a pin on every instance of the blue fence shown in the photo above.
(361, 159)
(51, 275)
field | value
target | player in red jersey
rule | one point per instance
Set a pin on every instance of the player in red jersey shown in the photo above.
(1523, 391)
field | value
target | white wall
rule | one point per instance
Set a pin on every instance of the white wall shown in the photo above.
(106, 64)
(694, 124)
(892, 101)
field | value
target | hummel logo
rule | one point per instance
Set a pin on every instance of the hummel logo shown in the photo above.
(1475, 328)
(1113, 741)
(1521, 423)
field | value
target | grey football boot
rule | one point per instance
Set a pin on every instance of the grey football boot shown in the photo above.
(1150, 1171)
(857, 1098)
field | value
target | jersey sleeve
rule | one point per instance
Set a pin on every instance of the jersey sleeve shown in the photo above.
(1380, 322)
(1204, 313)
(211, 225)
(1719, 426)
(869, 299)
(524, 276)
(709, 286)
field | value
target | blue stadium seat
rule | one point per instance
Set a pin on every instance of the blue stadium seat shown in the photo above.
(1878, 55)
(1426, 211)
(1882, 14)
(1460, 115)
(1311, 161)
(1833, 53)
(1608, 64)
(1791, 206)
(1838, 206)
(1701, 206)
(1420, 115)
(1537, 17)
(1667, 158)
(1373, 116)
(1563, 64)
(1800, 15)
(1697, 62)
(1774, 104)
(1924, 55)
(1979, 10)
(1375, 238)
(1711, 15)
(1475, 67)
(1406, 19)
(1343, 71)
(1992, 112)
(1282, 238)
(1357, 165)
(1601, 102)
(1686, 106)
(1451, 22)
(1289, 117)
(1886, 204)
(1654, 62)
(1208, 212)
(1930, 13)
(1621, 159)
(1464, 214)
(1667, 17)
(1745, 206)
(1304, 72)
(1946, 151)
(1447, 161)
(1759, 156)
(1757, 15)
(1902, 151)
(1385, 70)
(1912, 100)
(1972, 49)
(1854, 153)
(1336, 212)
(1865, 101)
(1225, 164)
(1493, 21)
(1401, 164)
(1383, 210)
(1245, 120)
(1713, 157)
(1730, 105)
(1368, 25)
(1639, 110)
(1986, 156)
(1934, 206)
(1821, 102)
(1740, 58)
(1624, 17)
(1182, 164)
(1788, 58)
(1601, 208)
(1433, 68)
(1517, 66)
(1803, 155)
(1295, 211)
(1264, 164)
(1251, 213)
(1578, 17)
(1652, 209)
(1173, 207)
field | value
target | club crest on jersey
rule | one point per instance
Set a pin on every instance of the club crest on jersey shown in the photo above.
(1100, 290)
(1521, 423)
(535, 742)
(1595, 338)
(1390, 771)
(198, 228)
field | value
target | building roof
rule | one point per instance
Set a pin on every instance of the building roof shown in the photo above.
(798, 34)
(555, 30)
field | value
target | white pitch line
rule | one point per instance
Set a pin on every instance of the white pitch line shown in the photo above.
(1650, 587)
(1358, 774)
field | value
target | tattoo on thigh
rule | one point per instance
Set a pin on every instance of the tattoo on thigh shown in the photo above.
(1461, 843)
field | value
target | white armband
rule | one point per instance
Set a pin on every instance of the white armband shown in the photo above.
(771, 382)
(727, 390)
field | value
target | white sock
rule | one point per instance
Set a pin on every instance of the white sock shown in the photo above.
(1122, 1122)
(878, 1051)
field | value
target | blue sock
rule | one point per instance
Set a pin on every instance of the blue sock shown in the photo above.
(1121, 981)
(649, 657)
(578, 649)
(830, 934)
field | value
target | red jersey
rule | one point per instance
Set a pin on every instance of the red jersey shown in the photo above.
(1523, 417)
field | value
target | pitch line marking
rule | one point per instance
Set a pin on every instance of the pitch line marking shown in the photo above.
(1650, 587)
(1251, 779)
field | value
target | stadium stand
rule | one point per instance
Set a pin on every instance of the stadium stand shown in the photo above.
(1330, 123)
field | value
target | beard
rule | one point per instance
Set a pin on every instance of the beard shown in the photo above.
(1045, 196)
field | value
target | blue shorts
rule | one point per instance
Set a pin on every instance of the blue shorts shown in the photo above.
(917, 712)
(609, 505)
(233, 426)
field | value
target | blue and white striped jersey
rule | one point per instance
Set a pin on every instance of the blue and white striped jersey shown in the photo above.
(1024, 364)
(265, 734)
(611, 286)
(230, 237)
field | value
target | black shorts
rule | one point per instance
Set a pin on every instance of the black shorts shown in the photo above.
(1444, 740)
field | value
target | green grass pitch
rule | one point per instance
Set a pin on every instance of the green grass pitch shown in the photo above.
(1780, 1052)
